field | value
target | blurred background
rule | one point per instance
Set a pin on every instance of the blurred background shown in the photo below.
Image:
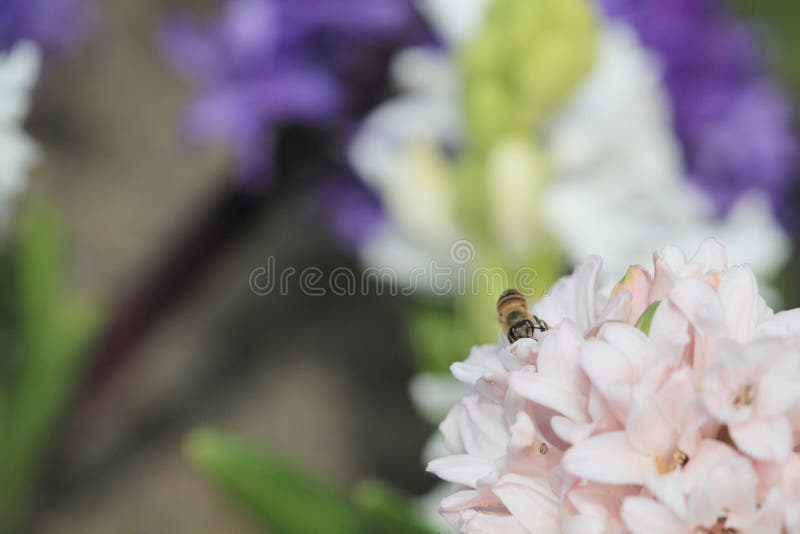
(320, 379)
(180, 144)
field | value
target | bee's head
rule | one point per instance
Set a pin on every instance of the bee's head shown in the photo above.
(520, 330)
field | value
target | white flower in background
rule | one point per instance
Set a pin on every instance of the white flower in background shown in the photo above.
(396, 153)
(19, 69)
(618, 185)
(610, 180)
(456, 26)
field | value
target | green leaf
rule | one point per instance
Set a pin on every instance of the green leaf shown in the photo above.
(278, 496)
(439, 337)
(386, 510)
(46, 331)
(646, 319)
(778, 21)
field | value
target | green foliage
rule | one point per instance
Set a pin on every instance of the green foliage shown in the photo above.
(524, 64)
(778, 20)
(282, 498)
(646, 319)
(44, 331)
(384, 509)
(439, 337)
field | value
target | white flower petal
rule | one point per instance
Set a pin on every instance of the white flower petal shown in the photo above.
(646, 516)
(764, 439)
(461, 469)
(607, 458)
(531, 501)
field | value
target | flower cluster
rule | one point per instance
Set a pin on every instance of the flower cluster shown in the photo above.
(265, 63)
(668, 403)
(19, 70)
(54, 25)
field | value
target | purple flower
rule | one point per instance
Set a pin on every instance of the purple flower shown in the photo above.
(733, 121)
(354, 212)
(266, 63)
(55, 25)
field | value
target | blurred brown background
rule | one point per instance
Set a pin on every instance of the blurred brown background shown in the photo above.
(322, 380)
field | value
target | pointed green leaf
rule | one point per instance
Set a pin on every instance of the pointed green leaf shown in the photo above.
(387, 510)
(46, 332)
(646, 319)
(280, 497)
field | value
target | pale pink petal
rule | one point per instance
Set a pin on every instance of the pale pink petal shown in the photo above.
(607, 367)
(700, 304)
(663, 279)
(467, 373)
(711, 256)
(523, 433)
(465, 499)
(596, 508)
(763, 439)
(451, 437)
(648, 429)
(607, 458)
(667, 262)
(519, 354)
(525, 453)
(674, 257)
(459, 509)
(586, 275)
(489, 523)
(791, 515)
(669, 326)
(639, 351)
(709, 453)
(783, 324)
(678, 400)
(637, 282)
(740, 300)
(790, 475)
(779, 387)
(570, 431)
(551, 394)
(461, 469)
(618, 398)
(559, 383)
(602, 415)
(493, 387)
(475, 426)
(585, 524)
(605, 364)
(646, 516)
(616, 309)
(485, 357)
(531, 501)
(768, 518)
(722, 380)
(559, 303)
(482, 361)
(668, 489)
(727, 486)
(558, 353)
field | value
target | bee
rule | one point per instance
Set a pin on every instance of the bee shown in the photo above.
(515, 319)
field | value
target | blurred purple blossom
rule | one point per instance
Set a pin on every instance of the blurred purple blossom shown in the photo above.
(354, 212)
(733, 121)
(265, 63)
(55, 25)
